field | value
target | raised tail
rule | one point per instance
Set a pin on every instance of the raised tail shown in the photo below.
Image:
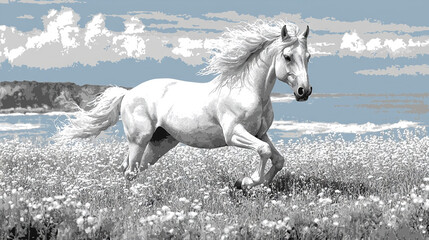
(103, 113)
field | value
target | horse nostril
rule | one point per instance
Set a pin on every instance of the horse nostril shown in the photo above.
(311, 90)
(300, 91)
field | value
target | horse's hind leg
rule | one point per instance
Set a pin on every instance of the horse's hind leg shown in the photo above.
(124, 164)
(156, 148)
(135, 154)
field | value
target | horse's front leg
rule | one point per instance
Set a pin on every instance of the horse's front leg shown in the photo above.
(277, 161)
(240, 137)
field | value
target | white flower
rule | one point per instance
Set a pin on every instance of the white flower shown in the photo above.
(167, 217)
(38, 217)
(165, 208)
(88, 230)
(325, 201)
(90, 220)
(80, 221)
(375, 198)
(192, 214)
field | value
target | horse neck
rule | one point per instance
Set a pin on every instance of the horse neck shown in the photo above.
(261, 76)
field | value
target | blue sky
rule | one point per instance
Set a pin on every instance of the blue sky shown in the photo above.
(357, 46)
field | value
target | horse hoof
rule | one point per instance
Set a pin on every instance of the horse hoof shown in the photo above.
(239, 183)
(243, 183)
(130, 175)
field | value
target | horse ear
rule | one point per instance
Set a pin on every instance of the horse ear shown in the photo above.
(307, 31)
(284, 32)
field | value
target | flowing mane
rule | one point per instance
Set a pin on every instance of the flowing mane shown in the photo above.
(230, 61)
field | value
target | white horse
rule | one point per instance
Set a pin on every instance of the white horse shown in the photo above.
(233, 109)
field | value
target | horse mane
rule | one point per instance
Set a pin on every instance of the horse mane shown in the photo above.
(230, 60)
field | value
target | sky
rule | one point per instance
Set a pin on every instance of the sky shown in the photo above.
(357, 47)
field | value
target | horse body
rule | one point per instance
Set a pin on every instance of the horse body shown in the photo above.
(201, 119)
(189, 118)
(234, 109)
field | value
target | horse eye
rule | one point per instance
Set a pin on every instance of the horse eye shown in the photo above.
(288, 58)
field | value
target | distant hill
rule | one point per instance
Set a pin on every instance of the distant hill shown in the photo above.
(31, 96)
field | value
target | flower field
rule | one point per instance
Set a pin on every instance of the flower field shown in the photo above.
(374, 186)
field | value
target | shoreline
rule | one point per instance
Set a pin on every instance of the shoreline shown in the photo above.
(33, 111)
(53, 113)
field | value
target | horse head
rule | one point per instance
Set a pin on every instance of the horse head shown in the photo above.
(291, 64)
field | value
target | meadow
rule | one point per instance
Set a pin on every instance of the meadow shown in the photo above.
(372, 187)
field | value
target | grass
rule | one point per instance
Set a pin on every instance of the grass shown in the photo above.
(374, 187)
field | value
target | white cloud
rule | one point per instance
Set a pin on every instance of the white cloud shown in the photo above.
(40, 2)
(186, 45)
(356, 44)
(333, 25)
(395, 45)
(356, 34)
(63, 39)
(411, 43)
(353, 42)
(300, 128)
(374, 44)
(26, 16)
(43, 2)
(63, 42)
(397, 70)
(96, 27)
(134, 25)
(60, 28)
(14, 53)
(132, 46)
(383, 45)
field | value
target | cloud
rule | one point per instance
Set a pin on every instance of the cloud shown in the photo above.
(353, 42)
(297, 129)
(63, 43)
(395, 71)
(410, 106)
(156, 35)
(365, 38)
(383, 45)
(40, 2)
(186, 45)
(26, 16)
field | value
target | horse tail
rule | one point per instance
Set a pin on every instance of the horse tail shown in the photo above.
(104, 112)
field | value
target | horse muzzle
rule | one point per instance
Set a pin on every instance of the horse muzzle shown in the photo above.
(302, 94)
